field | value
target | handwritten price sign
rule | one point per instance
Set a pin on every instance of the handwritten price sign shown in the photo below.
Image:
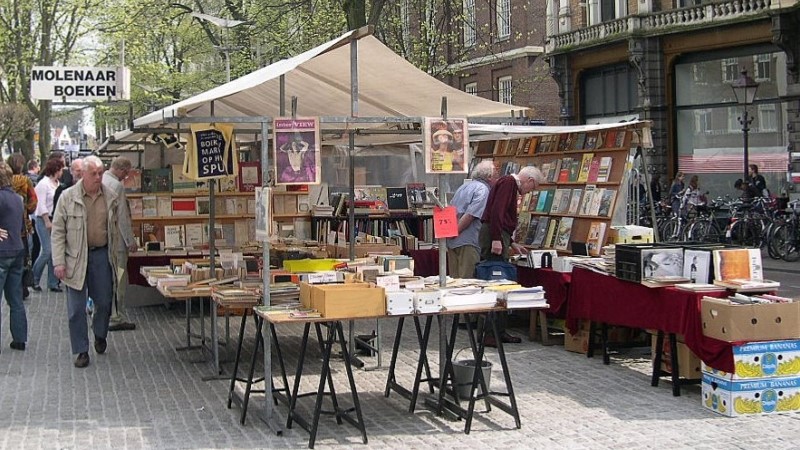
(445, 224)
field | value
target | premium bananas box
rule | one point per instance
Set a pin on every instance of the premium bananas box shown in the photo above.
(755, 397)
(762, 360)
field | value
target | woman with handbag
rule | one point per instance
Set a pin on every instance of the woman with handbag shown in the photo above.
(22, 185)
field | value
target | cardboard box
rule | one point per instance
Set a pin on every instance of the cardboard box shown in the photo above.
(689, 365)
(733, 322)
(361, 250)
(341, 301)
(755, 397)
(399, 302)
(630, 234)
(770, 359)
(577, 343)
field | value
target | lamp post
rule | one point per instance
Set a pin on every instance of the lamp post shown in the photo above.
(225, 24)
(744, 89)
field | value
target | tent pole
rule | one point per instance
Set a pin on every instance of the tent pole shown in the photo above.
(442, 241)
(352, 145)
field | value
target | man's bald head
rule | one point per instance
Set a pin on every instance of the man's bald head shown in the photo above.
(76, 169)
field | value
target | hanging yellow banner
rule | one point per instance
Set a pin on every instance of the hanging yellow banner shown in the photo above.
(211, 152)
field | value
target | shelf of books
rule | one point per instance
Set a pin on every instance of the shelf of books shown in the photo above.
(583, 171)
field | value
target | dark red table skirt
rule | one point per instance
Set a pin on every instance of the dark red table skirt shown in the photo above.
(555, 284)
(426, 262)
(606, 299)
(135, 262)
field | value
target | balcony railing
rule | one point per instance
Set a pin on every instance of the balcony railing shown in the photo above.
(662, 22)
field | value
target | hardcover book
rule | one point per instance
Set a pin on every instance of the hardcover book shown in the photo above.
(164, 207)
(604, 171)
(532, 227)
(586, 164)
(149, 206)
(597, 197)
(133, 182)
(579, 142)
(152, 232)
(397, 198)
(534, 200)
(541, 232)
(550, 237)
(575, 201)
(157, 180)
(607, 203)
(184, 206)
(174, 236)
(586, 200)
(563, 174)
(594, 168)
(194, 234)
(596, 237)
(564, 233)
(249, 176)
(180, 183)
(203, 206)
(540, 204)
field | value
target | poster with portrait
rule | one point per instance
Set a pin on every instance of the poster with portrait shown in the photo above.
(446, 144)
(263, 213)
(297, 150)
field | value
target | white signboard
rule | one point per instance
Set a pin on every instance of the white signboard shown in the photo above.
(80, 83)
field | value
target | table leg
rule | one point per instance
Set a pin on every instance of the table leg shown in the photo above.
(188, 307)
(604, 343)
(543, 326)
(236, 361)
(324, 377)
(359, 422)
(391, 380)
(657, 357)
(322, 344)
(299, 372)
(254, 359)
(285, 389)
(590, 342)
(214, 342)
(422, 361)
(676, 380)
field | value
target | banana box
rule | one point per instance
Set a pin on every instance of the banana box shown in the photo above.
(768, 359)
(754, 397)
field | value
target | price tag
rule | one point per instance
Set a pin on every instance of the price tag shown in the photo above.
(445, 224)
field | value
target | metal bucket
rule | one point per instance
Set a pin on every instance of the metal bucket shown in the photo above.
(464, 370)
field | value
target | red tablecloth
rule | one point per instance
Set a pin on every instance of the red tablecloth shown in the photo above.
(135, 262)
(426, 262)
(606, 299)
(555, 284)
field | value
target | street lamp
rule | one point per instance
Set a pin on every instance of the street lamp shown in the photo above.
(744, 88)
(225, 24)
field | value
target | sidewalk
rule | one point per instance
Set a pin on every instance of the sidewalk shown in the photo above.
(144, 394)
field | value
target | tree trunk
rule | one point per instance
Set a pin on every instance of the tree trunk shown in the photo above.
(45, 111)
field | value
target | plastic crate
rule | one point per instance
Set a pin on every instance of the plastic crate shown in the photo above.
(629, 259)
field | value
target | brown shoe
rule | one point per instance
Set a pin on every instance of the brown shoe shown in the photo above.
(100, 345)
(489, 341)
(509, 339)
(82, 360)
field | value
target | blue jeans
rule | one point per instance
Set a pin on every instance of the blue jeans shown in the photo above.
(11, 269)
(99, 285)
(45, 256)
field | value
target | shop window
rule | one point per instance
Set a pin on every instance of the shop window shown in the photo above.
(471, 88)
(702, 121)
(699, 73)
(504, 90)
(730, 69)
(503, 19)
(767, 118)
(470, 34)
(761, 67)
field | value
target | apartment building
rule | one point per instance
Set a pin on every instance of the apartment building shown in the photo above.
(674, 62)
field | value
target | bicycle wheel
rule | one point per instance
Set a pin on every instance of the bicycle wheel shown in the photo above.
(744, 233)
(671, 231)
(787, 243)
(705, 231)
(772, 248)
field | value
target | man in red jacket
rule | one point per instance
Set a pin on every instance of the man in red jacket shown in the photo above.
(499, 222)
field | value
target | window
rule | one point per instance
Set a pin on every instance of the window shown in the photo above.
(761, 67)
(504, 90)
(471, 88)
(470, 36)
(767, 118)
(733, 119)
(730, 69)
(503, 19)
(699, 73)
(702, 121)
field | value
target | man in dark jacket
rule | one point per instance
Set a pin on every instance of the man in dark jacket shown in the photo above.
(12, 254)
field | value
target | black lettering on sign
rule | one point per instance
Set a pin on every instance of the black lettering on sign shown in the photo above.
(210, 147)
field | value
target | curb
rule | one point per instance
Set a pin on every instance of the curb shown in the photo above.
(793, 271)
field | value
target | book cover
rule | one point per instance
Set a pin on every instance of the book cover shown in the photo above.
(203, 206)
(184, 206)
(586, 165)
(500, 147)
(228, 184)
(565, 142)
(548, 205)
(564, 233)
(217, 233)
(194, 234)
(229, 234)
(594, 168)
(133, 182)
(164, 207)
(523, 220)
(542, 200)
(622, 139)
(249, 176)
(180, 183)
(541, 232)
(157, 180)
(575, 201)
(531, 233)
(174, 236)
(563, 174)
(740, 263)
(610, 140)
(241, 206)
(149, 206)
(586, 200)
(596, 237)
(604, 171)
(396, 198)
(579, 142)
(697, 266)
(564, 201)
(534, 200)
(230, 206)
(484, 149)
(240, 232)
(574, 170)
(591, 141)
(152, 232)
(662, 262)
(136, 207)
(597, 197)
(556, 201)
(533, 144)
(555, 171)
(550, 237)
(251, 206)
(607, 203)
(601, 139)
(418, 195)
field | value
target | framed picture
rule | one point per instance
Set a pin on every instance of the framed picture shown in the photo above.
(446, 144)
(297, 151)
(263, 219)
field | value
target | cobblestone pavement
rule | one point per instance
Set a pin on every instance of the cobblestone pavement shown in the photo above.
(144, 394)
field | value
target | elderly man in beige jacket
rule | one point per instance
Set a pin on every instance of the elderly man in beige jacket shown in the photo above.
(84, 240)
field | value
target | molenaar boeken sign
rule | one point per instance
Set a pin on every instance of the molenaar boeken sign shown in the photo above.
(80, 83)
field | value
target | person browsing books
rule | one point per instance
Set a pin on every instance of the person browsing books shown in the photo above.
(113, 178)
(499, 221)
(84, 240)
(463, 251)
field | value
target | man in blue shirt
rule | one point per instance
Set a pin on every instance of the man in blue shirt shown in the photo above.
(463, 251)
